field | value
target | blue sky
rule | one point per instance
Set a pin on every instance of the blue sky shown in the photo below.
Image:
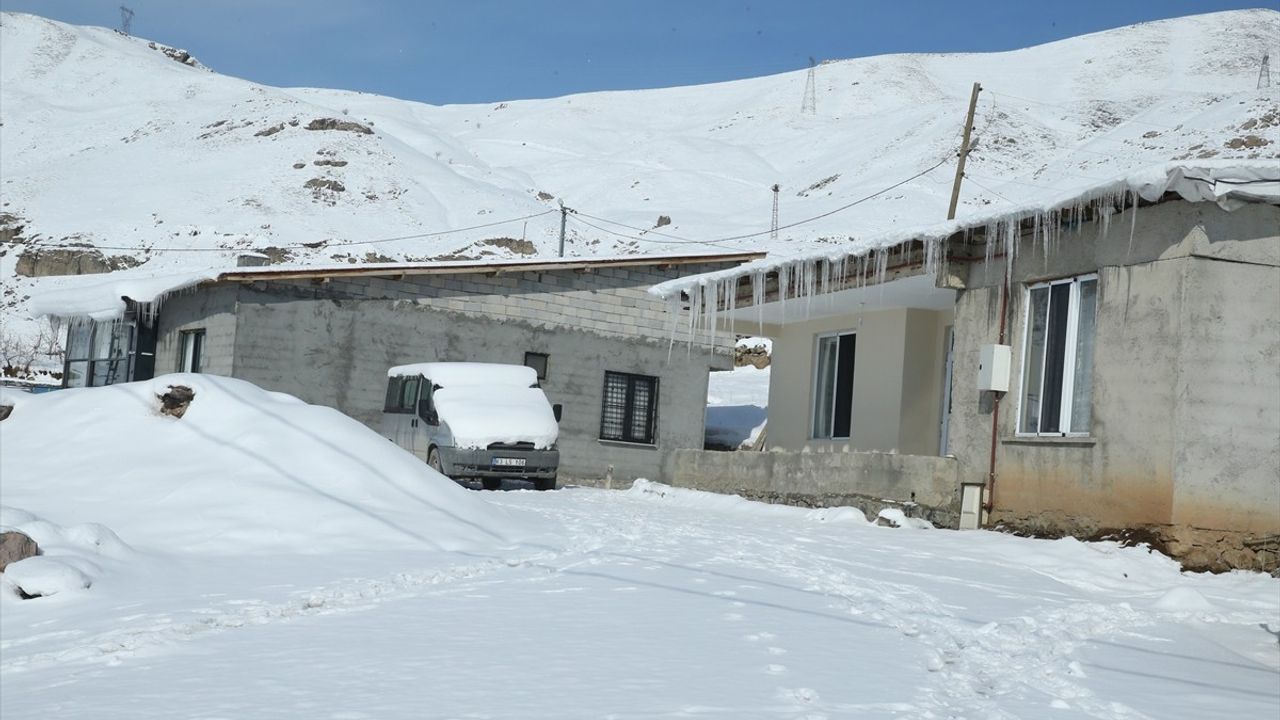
(449, 51)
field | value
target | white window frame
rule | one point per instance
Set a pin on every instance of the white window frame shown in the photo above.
(1069, 362)
(191, 350)
(813, 385)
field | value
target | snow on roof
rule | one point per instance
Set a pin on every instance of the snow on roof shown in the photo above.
(446, 374)
(102, 297)
(1230, 184)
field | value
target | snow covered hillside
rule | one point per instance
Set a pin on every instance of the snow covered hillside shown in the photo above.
(110, 142)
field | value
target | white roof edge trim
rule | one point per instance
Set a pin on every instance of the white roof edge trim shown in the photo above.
(1229, 183)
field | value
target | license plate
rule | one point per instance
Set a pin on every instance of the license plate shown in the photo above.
(508, 462)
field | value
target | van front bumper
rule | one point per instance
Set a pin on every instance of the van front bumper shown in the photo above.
(459, 463)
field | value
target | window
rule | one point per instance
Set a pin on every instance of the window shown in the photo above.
(630, 411)
(537, 361)
(99, 353)
(833, 386)
(1057, 359)
(190, 350)
(402, 394)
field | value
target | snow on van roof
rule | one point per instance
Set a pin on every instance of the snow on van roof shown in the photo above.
(446, 374)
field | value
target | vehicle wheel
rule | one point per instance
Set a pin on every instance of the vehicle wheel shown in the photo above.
(491, 483)
(544, 483)
(433, 459)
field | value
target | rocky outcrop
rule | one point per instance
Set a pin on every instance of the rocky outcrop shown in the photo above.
(70, 261)
(336, 124)
(755, 355)
(15, 546)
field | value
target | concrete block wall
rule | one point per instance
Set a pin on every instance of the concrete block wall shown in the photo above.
(924, 486)
(337, 352)
(209, 309)
(610, 301)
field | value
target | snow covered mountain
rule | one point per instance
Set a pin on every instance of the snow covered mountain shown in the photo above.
(127, 146)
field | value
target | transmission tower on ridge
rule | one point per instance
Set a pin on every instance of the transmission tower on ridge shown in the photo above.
(810, 104)
(1264, 72)
(773, 229)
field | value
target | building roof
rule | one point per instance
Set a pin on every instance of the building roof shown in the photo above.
(102, 297)
(1228, 183)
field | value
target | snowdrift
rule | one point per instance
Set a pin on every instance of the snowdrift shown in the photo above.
(242, 471)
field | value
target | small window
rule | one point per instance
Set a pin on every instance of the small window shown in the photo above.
(537, 361)
(409, 394)
(392, 402)
(190, 351)
(1057, 358)
(833, 386)
(630, 409)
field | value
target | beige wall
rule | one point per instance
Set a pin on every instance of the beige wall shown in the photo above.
(897, 385)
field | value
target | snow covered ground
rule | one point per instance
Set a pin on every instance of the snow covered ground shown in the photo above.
(389, 592)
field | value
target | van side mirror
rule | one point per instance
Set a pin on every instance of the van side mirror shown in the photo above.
(557, 410)
(428, 413)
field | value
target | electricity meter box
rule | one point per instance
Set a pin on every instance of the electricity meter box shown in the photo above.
(993, 367)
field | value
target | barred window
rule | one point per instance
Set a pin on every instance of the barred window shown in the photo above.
(630, 408)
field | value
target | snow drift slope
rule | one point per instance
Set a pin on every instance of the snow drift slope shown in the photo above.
(111, 143)
(244, 471)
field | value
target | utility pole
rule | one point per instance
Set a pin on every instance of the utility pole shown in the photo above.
(564, 212)
(773, 229)
(809, 105)
(1264, 72)
(964, 151)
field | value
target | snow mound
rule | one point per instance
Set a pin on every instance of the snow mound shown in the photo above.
(242, 471)
(1183, 600)
(895, 517)
(42, 576)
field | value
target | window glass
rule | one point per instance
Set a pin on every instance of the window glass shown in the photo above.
(613, 416)
(630, 408)
(191, 351)
(77, 374)
(78, 338)
(824, 387)
(833, 386)
(1082, 385)
(1057, 367)
(537, 361)
(392, 402)
(1033, 360)
(409, 394)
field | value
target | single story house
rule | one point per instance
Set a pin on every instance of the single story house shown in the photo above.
(1108, 359)
(328, 334)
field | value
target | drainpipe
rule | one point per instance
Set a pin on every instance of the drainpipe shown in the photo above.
(995, 410)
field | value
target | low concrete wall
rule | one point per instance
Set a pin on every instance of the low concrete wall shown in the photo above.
(868, 481)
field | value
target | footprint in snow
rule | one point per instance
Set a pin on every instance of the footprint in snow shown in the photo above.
(774, 669)
(732, 617)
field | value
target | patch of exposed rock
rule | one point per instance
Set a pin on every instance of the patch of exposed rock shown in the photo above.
(71, 261)
(325, 184)
(336, 124)
(756, 356)
(176, 400)
(15, 546)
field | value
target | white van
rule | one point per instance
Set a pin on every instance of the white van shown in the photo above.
(474, 420)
